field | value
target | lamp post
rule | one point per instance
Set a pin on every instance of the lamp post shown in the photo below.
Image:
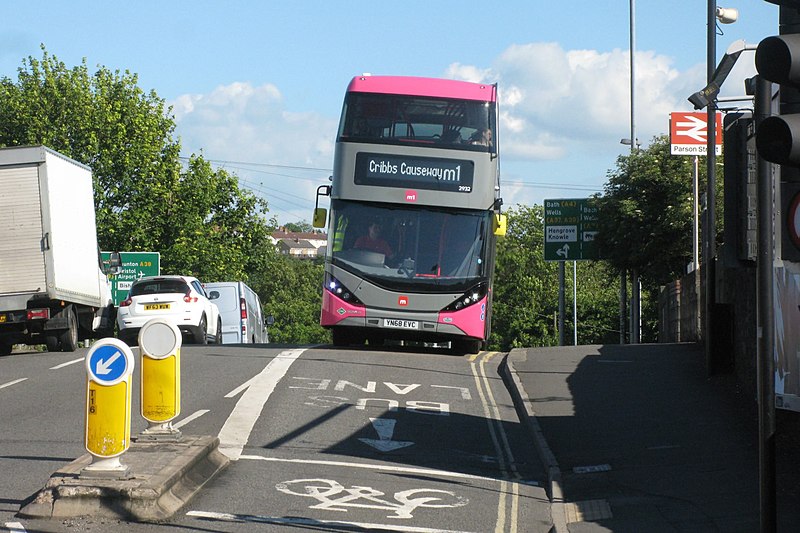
(634, 143)
(724, 16)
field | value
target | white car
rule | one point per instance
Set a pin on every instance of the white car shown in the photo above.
(180, 300)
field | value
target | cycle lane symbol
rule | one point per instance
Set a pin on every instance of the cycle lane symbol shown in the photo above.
(333, 496)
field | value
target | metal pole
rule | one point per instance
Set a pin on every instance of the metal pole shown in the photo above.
(635, 300)
(635, 307)
(575, 300)
(696, 222)
(766, 321)
(709, 235)
(623, 306)
(561, 303)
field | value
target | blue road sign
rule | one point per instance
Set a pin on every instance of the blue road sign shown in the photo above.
(108, 364)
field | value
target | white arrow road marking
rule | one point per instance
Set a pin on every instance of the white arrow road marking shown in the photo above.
(697, 128)
(236, 430)
(384, 427)
(104, 366)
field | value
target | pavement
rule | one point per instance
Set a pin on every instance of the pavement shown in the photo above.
(638, 438)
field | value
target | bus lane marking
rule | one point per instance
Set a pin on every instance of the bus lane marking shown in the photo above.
(237, 428)
(384, 427)
(360, 497)
(371, 387)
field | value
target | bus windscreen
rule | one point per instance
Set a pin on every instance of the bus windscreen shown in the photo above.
(409, 248)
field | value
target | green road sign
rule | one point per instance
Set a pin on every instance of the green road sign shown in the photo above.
(135, 265)
(570, 226)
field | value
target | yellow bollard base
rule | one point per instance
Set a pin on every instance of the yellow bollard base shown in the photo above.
(105, 468)
(160, 433)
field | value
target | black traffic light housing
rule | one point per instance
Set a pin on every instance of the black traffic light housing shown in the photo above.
(778, 61)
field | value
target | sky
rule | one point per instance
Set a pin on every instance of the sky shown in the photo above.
(256, 87)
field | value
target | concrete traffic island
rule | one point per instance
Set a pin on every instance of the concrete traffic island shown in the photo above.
(161, 478)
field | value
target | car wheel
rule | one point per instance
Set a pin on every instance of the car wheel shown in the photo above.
(5, 348)
(202, 330)
(218, 336)
(69, 339)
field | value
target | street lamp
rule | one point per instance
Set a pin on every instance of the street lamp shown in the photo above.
(724, 16)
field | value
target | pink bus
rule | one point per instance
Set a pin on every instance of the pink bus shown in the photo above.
(414, 213)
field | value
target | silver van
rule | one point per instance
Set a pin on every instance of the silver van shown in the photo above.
(240, 309)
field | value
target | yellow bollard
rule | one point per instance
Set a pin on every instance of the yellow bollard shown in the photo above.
(159, 344)
(109, 366)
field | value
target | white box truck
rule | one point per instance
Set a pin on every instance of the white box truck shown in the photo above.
(54, 288)
(240, 309)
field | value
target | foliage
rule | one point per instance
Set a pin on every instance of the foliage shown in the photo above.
(198, 218)
(526, 291)
(292, 290)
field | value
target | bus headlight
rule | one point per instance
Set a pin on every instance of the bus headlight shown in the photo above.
(335, 287)
(470, 297)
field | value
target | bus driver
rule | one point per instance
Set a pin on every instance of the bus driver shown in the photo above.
(373, 241)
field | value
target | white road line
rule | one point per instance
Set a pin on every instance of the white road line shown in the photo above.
(15, 527)
(234, 434)
(62, 365)
(4, 385)
(377, 467)
(317, 524)
(191, 417)
(240, 388)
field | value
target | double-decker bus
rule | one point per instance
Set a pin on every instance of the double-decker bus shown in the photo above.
(414, 213)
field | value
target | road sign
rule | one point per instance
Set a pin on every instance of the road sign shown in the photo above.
(688, 133)
(570, 227)
(135, 265)
(109, 365)
(160, 346)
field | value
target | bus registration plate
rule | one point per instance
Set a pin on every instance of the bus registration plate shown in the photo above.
(400, 324)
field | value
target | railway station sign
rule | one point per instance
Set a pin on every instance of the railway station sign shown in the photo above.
(135, 265)
(570, 226)
(688, 133)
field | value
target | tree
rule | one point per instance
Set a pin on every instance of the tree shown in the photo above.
(291, 290)
(526, 291)
(198, 218)
(645, 215)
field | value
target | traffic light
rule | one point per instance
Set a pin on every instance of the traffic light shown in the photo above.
(778, 60)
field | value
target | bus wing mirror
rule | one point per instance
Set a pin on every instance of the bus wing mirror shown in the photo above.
(320, 213)
(320, 217)
(500, 222)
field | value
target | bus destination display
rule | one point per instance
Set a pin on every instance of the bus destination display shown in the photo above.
(385, 170)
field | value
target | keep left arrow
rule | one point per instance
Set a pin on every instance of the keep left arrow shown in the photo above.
(104, 365)
(384, 427)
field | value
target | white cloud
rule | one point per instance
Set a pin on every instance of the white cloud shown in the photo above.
(241, 123)
(554, 100)
(246, 123)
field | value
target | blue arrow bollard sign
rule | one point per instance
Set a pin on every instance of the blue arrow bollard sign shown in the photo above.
(108, 365)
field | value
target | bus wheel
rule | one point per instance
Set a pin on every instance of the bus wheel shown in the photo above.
(467, 346)
(375, 340)
(340, 337)
(344, 337)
